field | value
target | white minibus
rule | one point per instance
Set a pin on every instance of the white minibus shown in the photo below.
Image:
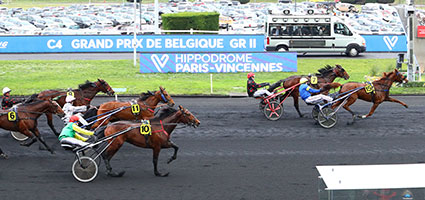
(312, 33)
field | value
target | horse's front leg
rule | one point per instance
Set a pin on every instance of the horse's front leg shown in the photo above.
(176, 148)
(372, 110)
(156, 151)
(396, 101)
(49, 117)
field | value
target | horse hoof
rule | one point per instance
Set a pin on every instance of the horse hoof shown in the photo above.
(161, 174)
(3, 156)
(116, 174)
(406, 106)
(24, 144)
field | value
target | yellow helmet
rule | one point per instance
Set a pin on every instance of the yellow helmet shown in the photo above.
(303, 80)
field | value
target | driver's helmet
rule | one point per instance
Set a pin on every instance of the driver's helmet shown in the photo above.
(74, 118)
(6, 90)
(250, 74)
(303, 80)
(69, 99)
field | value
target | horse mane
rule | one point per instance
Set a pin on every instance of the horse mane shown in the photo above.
(164, 112)
(385, 75)
(32, 100)
(324, 71)
(85, 85)
(145, 95)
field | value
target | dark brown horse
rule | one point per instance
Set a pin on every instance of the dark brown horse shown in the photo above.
(26, 119)
(161, 128)
(147, 102)
(326, 75)
(382, 92)
(83, 96)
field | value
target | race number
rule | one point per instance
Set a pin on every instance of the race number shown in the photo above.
(145, 128)
(11, 116)
(70, 93)
(369, 88)
(313, 80)
(135, 109)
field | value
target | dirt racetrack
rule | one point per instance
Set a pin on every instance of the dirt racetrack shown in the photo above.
(236, 153)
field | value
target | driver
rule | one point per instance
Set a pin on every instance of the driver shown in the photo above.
(306, 91)
(71, 133)
(251, 87)
(7, 102)
(69, 109)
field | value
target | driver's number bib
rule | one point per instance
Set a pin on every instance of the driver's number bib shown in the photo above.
(369, 88)
(145, 129)
(70, 93)
(11, 116)
(313, 80)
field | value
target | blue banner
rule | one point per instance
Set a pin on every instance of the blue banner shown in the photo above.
(123, 43)
(218, 62)
(385, 43)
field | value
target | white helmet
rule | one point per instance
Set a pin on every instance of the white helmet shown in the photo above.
(6, 90)
(303, 80)
(69, 98)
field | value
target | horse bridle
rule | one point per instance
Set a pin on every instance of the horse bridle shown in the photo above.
(101, 83)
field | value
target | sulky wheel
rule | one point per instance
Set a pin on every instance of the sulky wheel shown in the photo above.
(327, 118)
(18, 136)
(315, 112)
(273, 111)
(86, 171)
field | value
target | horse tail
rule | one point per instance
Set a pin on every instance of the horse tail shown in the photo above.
(276, 85)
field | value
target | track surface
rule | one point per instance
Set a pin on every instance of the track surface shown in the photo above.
(235, 154)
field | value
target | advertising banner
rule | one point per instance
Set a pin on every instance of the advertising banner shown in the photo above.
(124, 43)
(218, 62)
(385, 43)
(421, 31)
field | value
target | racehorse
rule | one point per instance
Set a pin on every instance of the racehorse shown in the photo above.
(25, 118)
(326, 75)
(147, 102)
(83, 96)
(162, 126)
(381, 94)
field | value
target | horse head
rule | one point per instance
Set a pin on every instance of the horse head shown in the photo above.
(55, 108)
(188, 117)
(165, 97)
(340, 72)
(398, 77)
(104, 87)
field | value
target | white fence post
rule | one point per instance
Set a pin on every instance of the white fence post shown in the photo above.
(211, 83)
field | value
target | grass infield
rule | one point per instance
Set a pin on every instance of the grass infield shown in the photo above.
(28, 77)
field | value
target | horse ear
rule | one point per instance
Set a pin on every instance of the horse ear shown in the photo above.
(181, 107)
(161, 88)
(396, 70)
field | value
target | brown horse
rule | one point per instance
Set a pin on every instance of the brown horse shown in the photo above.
(326, 75)
(161, 128)
(382, 91)
(26, 119)
(147, 102)
(83, 96)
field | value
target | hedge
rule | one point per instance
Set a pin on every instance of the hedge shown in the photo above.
(191, 20)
